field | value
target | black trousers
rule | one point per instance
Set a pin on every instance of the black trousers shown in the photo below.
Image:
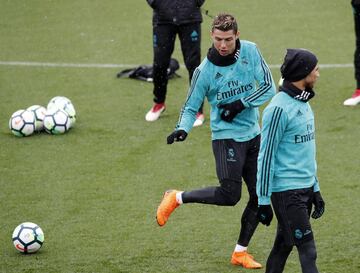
(356, 9)
(234, 161)
(292, 209)
(163, 43)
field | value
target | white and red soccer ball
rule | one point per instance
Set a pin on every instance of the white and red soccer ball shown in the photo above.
(28, 237)
(22, 123)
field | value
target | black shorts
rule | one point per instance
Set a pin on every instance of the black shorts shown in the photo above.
(237, 160)
(292, 209)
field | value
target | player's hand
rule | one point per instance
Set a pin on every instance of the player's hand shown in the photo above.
(178, 135)
(231, 110)
(319, 205)
(265, 214)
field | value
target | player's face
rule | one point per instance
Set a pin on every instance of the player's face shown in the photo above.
(224, 41)
(311, 79)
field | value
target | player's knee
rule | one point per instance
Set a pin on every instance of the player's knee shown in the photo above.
(233, 200)
(231, 190)
(307, 251)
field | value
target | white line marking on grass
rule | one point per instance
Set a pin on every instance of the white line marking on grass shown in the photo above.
(39, 64)
(84, 65)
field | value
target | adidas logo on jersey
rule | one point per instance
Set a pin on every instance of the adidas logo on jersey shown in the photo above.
(244, 61)
(218, 75)
(299, 113)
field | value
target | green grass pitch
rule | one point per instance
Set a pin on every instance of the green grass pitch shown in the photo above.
(94, 191)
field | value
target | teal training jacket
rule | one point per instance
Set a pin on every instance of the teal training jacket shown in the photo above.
(248, 79)
(287, 152)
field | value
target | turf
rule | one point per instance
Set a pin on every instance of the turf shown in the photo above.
(94, 191)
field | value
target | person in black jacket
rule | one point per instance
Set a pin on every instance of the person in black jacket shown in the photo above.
(172, 17)
(355, 98)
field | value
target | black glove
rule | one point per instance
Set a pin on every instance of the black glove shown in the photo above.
(319, 205)
(231, 110)
(177, 135)
(265, 214)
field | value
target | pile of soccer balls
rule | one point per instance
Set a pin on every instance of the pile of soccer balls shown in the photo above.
(57, 118)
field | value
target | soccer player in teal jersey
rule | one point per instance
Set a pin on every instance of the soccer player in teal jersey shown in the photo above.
(236, 80)
(287, 165)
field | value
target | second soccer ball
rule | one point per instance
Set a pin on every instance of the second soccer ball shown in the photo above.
(56, 121)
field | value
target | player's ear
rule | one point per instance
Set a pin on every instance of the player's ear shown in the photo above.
(212, 36)
(237, 34)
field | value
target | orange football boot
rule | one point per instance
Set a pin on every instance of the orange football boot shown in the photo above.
(167, 206)
(245, 260)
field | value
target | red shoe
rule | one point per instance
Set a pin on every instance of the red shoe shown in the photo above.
(155, 112)
(354, 100)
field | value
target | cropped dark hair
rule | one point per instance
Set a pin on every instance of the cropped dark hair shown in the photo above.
(225, 22)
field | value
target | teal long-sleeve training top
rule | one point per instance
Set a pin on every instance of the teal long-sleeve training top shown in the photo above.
(287, 152)
(248, 78)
